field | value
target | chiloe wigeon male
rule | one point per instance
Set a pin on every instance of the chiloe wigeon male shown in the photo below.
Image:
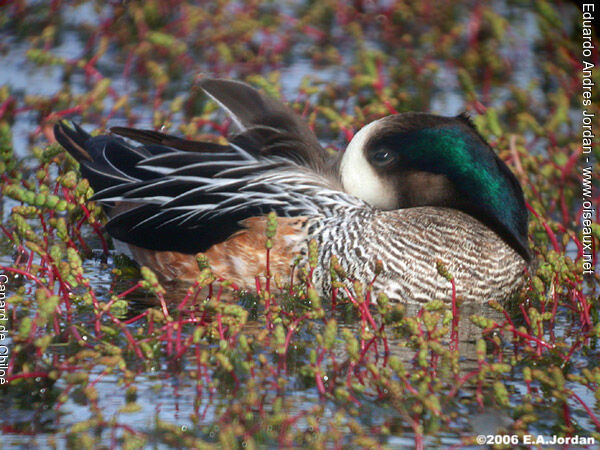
(410, 190)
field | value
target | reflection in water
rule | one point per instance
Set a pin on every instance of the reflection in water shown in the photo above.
(467, 334)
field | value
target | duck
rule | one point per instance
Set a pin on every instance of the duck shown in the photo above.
(412, 193)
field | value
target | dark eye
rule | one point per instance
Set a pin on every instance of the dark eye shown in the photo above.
(382, 157)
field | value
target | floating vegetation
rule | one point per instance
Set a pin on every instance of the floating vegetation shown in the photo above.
(96, 353)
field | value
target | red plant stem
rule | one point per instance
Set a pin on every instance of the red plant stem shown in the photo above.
(169, 338)
(363, 308)
(187, 297)
(389, 107)
(319, 381)
(584, 311)
(30, 260)
(178, 345)
(130, 290)
(27, 375)
(292, 328)
(27, 275)
(78, 336)
(6, 104)
(348, 134)
(257, 285)
(549, 231)
(268, 271)
(567, 416)
(587, 409)
(334, 294)
(220, 327)
(514, 330)
(530, 337)
(184, 347)
(386, 346)
(97, 228)
(525, 315)
(462, 380)
(65, 112)
(455, 317)
(128, 336)
(366, 348)
(6, 232)
(419, 445)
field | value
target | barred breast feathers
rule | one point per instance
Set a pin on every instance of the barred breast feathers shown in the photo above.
(410, 242)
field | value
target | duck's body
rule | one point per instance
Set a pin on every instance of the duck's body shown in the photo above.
(483, 267)
(410, 207)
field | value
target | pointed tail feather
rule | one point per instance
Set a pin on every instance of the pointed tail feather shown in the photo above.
(151, 137)
(73, 140)
(244, 104)
(268, 126)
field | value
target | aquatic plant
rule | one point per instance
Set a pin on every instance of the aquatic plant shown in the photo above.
(91, 363)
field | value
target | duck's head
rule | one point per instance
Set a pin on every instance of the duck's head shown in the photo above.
(416, 159)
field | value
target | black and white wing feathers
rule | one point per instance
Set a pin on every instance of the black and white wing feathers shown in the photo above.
(107, 160)
(181, 195)
(194, 202)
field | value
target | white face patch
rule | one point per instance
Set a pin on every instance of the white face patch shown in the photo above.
(358, 176)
